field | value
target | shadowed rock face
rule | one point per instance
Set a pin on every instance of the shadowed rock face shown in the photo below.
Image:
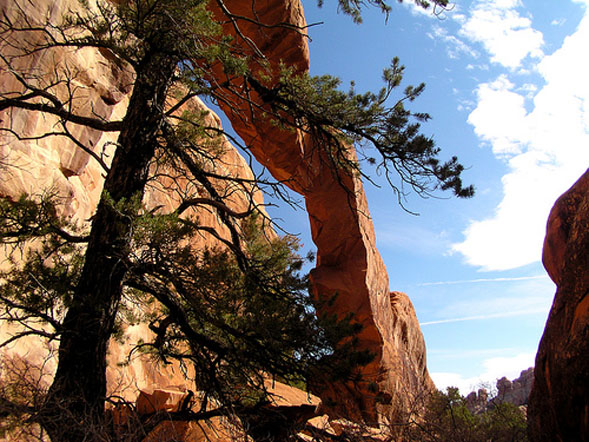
(559, 403)
(347, 264)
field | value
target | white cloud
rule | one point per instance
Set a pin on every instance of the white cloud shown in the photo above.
(494, 368)
(454, 46)
(545, 150)
(504, 33)
(499, 116)
(558, 22)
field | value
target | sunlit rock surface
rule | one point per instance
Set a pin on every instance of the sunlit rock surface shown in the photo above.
(56, 165)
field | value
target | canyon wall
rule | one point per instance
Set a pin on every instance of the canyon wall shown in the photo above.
(348, 263)
(558, 407)
(36, 166)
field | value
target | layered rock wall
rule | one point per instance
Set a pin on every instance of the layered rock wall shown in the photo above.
(34, 164)
(559, 403)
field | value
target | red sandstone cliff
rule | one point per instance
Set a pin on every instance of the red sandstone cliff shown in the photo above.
(57, 165)
(348, 263)
(558, 408)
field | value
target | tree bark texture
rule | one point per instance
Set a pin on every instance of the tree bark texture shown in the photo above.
(75, 403)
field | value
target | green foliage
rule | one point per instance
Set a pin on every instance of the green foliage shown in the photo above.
(233, 314)
(237, 324)
(354, 7)
(234, 323)
(505, 422)
(26, 219)
(135, 28)
(338, 119)
(45, 263)
(447, 418)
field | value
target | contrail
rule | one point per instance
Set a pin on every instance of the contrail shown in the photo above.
(471, 281)
(489, 316)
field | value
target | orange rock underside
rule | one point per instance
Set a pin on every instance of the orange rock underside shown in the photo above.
(347, 260)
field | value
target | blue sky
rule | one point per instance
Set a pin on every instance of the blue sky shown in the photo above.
(508, 92)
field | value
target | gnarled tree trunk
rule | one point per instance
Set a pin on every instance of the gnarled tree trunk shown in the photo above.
(74, 409)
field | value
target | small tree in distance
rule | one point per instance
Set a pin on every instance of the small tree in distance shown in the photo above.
(215, 309)
(447, 418)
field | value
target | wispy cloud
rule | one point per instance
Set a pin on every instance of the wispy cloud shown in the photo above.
(479, 280)
(519, 297)
(505, 314)
(454, 46)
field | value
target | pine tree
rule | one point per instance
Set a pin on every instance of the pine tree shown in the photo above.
(215, 306)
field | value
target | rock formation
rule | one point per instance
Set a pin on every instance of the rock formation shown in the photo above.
(516, 392)
(347, 260)
(477, 402)
(559, 403)
(347, 263)
(57, 165)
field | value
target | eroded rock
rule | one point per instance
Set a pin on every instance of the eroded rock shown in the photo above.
(347, 260)
(477, 402)
(516, 391)
(559, 402)
(55, 164)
